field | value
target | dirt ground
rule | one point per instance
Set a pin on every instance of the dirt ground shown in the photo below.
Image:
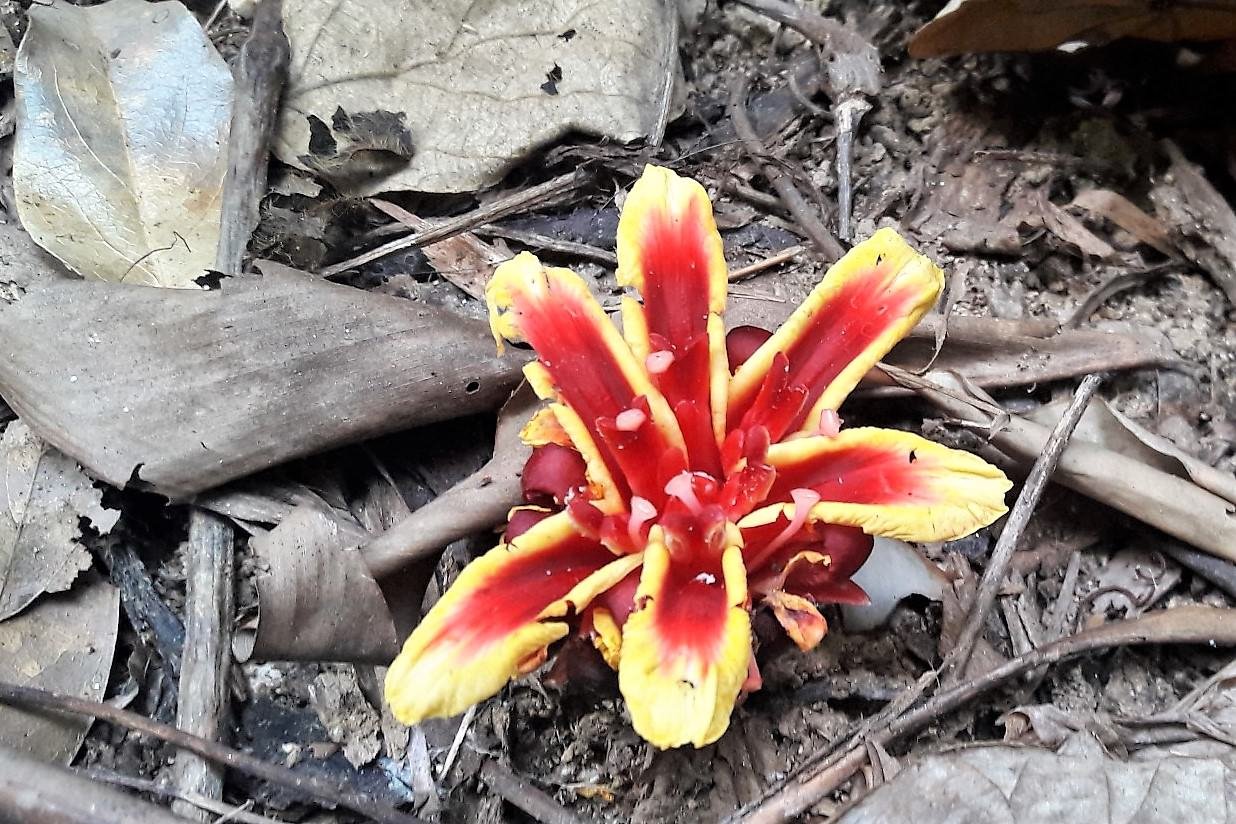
(954, 153)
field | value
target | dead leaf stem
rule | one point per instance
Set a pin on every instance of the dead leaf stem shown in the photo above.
(320, 788)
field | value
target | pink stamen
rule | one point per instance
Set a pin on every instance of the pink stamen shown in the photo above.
(803, 499)
(681, 487)
(630, 420)
(658, 362)
(830, 424)
(642, 511)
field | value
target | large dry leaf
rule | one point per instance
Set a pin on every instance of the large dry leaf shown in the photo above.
(447, 96)
(182, 390)
(43, 496)
(64, 643)
(966, 26)
(1079, 783)
(1202, 222)
(122, 139)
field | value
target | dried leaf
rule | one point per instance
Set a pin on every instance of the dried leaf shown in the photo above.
(122, 139)
(1124, 213)
(348, 717)
(181, 391)
(1202, 221)
(1080, 782)
(1069, 229)
(1107, 427)
(967, 26)
(64, 643)
(43, 495)
(317, 600)
(894, 571)
(465, 260)
(465, 89)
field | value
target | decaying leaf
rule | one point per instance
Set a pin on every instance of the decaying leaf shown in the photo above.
(316, 598)
(453, 94)
(43, 495)
(1203, 223)
(182, 390)
(967, 26)
(64, 643)
(894, 571)
(465, 260)
(1080, 782)
(122, 139)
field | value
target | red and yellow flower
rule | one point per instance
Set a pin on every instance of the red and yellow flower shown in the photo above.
(683, 477)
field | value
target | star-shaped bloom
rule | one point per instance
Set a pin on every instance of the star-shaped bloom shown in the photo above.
(683, 477)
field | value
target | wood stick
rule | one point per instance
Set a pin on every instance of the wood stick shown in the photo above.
(203, 705)
(34, 791)
(767, 263)
(505, 207)
(322, 789)
(261, 71)
(145, 785)
(1019, 518)
(793, 199)
(526, 797)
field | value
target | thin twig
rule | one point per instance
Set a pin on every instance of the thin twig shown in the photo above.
(523, 795)
(322, 789)
(847, 114)
(231, 811)
(538, 242)
(1019, 518)
(504, 207)
(794, 202)
(769, 262)
(805, 788)
(460, 734)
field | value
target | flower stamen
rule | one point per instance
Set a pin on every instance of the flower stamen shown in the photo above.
(681, 487)
(642, 511)
(659, 362)
(803, 499)
(630, 420)
(830, 424)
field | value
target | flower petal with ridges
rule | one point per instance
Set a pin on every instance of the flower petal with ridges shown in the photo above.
(670, 251)
(865, 304)
(503, 611)
(890, 483)
(686, 648)
(581, 357)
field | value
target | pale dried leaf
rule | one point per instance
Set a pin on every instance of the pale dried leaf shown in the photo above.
(453, 94)
(1080, 782)
(63, 643)
(1202, 221)
(43, 495)
(122, 139)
